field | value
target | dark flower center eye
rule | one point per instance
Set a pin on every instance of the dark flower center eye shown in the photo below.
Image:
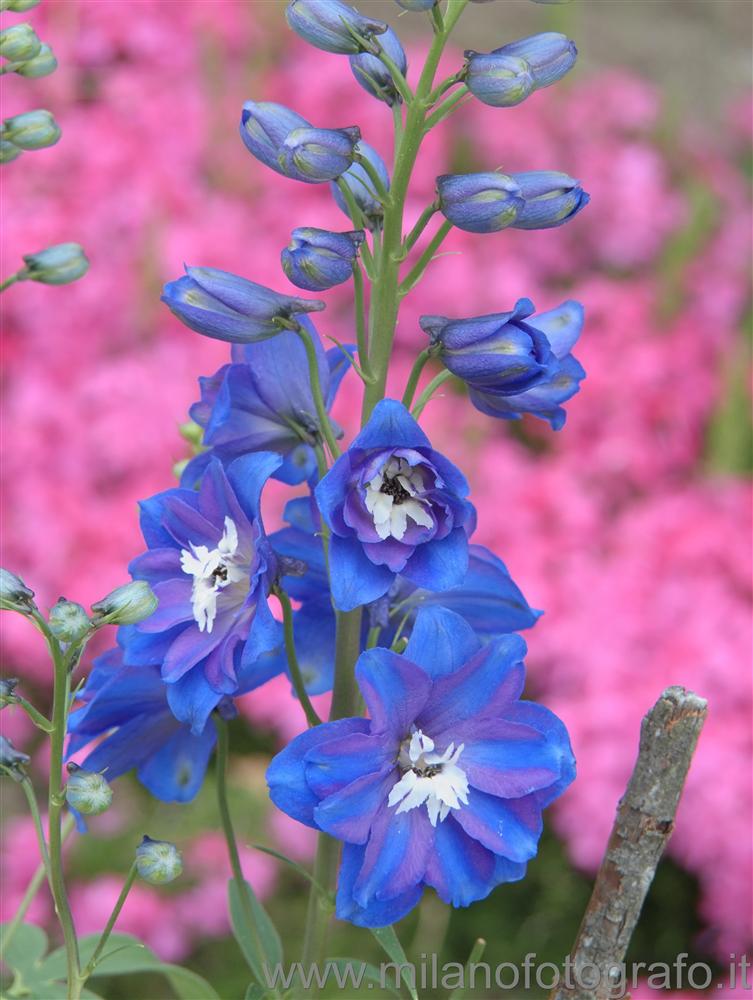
(219, 574)
(427, 771)
(394, 489)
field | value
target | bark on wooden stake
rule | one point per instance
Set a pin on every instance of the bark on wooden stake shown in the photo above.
(644, 823)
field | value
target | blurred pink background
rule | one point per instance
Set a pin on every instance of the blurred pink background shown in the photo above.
(631, 527)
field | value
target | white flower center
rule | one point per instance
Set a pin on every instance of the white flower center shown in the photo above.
(429, 777)
(212, 570)
(392, 498)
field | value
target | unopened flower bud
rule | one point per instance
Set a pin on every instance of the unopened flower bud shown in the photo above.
(57, 265)
(315, 155)
(12, 761)
(68, 621)
(417, 5)
(8, 152)
(497, 79)
(317, 259)
(18, 43)
(331, 25)
(43, 63)
(14, 594)
(8, 686)
(265, 126)
(373, 75)
(87, 791)
(479, 203)
(550, 198)
(18, 6)
(158, 861)
(32, 130)
(126, 605)
(361, 186)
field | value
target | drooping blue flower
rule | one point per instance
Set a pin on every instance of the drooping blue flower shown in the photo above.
(331, 25)
(315, 155)
(374, 76)
(361, 186)
(318, 259)
(506, 76)
(443, 785)
(128, 706)
(560, 382)
(394, 505)
(264, 127)
(479, 203)
(211, 567)
(263, 402)
(550, 199)
(223, 306)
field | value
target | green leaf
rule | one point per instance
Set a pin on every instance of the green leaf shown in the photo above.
(25, 949)
(370, 974)
(388, 939)
(255, 932)
(188, 985)
(255, 992)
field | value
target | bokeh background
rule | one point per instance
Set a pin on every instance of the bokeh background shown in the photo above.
(631, 528)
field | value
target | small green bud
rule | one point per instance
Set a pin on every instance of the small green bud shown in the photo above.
(14, 594)
(8, 152)
(32, 130)
(57, 265)
(87, 791)
(192, 432)
(19, 42)
(158, 861)
(18, 6)
(126, 605)
(68, 621)
(43, 63)
(12, 761)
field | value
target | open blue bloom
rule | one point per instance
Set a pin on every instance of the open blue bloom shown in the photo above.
(479, 203)
(318, 259)
(361, 186)
(263, 402)
(223, 306)
(331, 25)
(561, 380)
(445, 782)
(394, 505)
(264, 128)
(211, 568)
(128, 706)
(550, 199)
(373, 75)
(314, 155)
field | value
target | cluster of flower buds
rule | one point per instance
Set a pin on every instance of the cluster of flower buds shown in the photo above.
(24, 53)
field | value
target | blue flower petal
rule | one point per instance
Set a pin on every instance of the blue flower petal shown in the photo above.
(355, 578)
(508, 827)
(379, 913)
(192, 700)
(394, 689)
(176, 771)
(460, 869)
(441, 641)
(439, 564)
(391, 426)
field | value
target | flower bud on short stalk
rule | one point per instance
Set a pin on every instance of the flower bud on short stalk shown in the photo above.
(68, 621)
(18, 43)
(549, 54)
(18, 6)
(158, 861)
(317, 259)
(126, 605)
(12, 761)
(361, 187)
(315, 155)
(31, 130)
(550, 198)
(87, 791)
(43, 63)
(14, 594)
(331, 25)
(499, 80)
(479, 203)
(60, 264)
(8, 152)
(372, 74)
(264, 127)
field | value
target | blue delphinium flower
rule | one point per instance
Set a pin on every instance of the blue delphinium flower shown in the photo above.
(374, 76)
(223, 306)
(264, 127)
(211, 567)
(263, 402)
(506, 76)
(331, 25)
(318, 259)
(479, 203)
(361, 186)
(394, 505)
(315, 155)
(128, 706)
(445, 782)
(549, 54)
(561, 380)
(550, 199)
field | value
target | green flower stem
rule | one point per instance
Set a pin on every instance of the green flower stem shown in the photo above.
(429, 391)
(39, 720)
(416, 273)
(295, 670)
(446, 108)
(92, 963)
(316, 390)
(319, 913)
(34, 810)
(415, 375)
(380, 190)
(11, 280)
(356, 215)
(362, 338)
(32, 889)
(446, 85)
(403, 88)
(413, 236)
